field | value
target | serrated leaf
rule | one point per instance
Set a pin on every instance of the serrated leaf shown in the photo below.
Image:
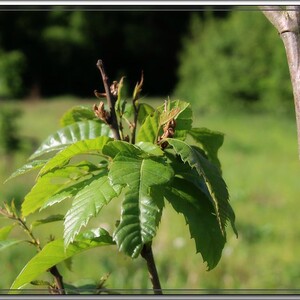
(185, 171)
(50, 219)
(139, 210)
(149, 130)
(81, 147)
(114, 147)
(211, 142)
(50, 184)
(85, 130)
(144, 111)
(55, 252)
(215, 184)
(5, 231)
(79, 181)
(87, 203)
(199, 215)
(36, 164)
(77, 114)
(4, 244)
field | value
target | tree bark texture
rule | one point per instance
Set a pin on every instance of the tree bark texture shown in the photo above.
(287, 22)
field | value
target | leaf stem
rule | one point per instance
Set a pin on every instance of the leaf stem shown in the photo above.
(110, 101)
(147, 254)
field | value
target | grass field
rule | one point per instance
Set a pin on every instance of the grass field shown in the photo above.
(262, 170)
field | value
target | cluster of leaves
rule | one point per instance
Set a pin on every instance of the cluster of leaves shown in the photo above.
(158, 165)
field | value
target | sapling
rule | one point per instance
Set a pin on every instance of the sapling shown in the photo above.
(137, 156)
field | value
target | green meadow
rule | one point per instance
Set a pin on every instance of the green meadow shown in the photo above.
(261, 167)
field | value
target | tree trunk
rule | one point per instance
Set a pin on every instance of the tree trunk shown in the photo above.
(287, 22)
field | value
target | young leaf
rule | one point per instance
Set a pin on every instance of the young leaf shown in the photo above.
(77, 114)
(5, 231)
(144, 111)
(149, 129)
(50, 184)
(210, 140)
(85, 130)
(114, 147)
(150, 148)
(80, 180)
(4, 244)
(50, 219)
(213, 180)
(139, 210)
(87, 203)
(81, 147)
(36, 164)
(199, 215)
(54, 253)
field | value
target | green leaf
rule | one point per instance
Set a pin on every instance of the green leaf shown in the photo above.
(139, 210)
(50, 219)
(149, 129)
(85, 130)
(211, 142)
(55, 252)
(199, 215)
(5, 231)
(150, 148)
(87, 203)
(27, 167)
(215, 184)
(50, 184)
(144, 111)
(181, 111)
(79, 181)
(81, 147)
(114, 147)
(4, 244)
(77, 114)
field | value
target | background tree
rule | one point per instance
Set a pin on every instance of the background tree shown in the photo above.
(219, 68)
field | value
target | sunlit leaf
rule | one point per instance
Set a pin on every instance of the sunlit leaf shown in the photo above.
(36, 164)
(87, 203)
(77, 114)
(4, 244)
(149, 130)
(50, 219)
(50, 184)
(114, 147)
(55, 252)
(82, 147)
(5, 231)
(144, 111)
(139, 210)
(85, 130)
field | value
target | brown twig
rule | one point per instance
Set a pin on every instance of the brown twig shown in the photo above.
(147, 254)
(113, 122)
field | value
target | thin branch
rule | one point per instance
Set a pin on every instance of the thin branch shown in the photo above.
(147, 254)
(113, 122)
(53, 270)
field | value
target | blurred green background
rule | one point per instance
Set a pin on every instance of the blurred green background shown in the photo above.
(230, 64)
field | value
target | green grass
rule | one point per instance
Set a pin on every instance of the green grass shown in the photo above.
(262, 170)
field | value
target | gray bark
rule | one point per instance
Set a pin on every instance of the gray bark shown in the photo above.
(287, 22)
